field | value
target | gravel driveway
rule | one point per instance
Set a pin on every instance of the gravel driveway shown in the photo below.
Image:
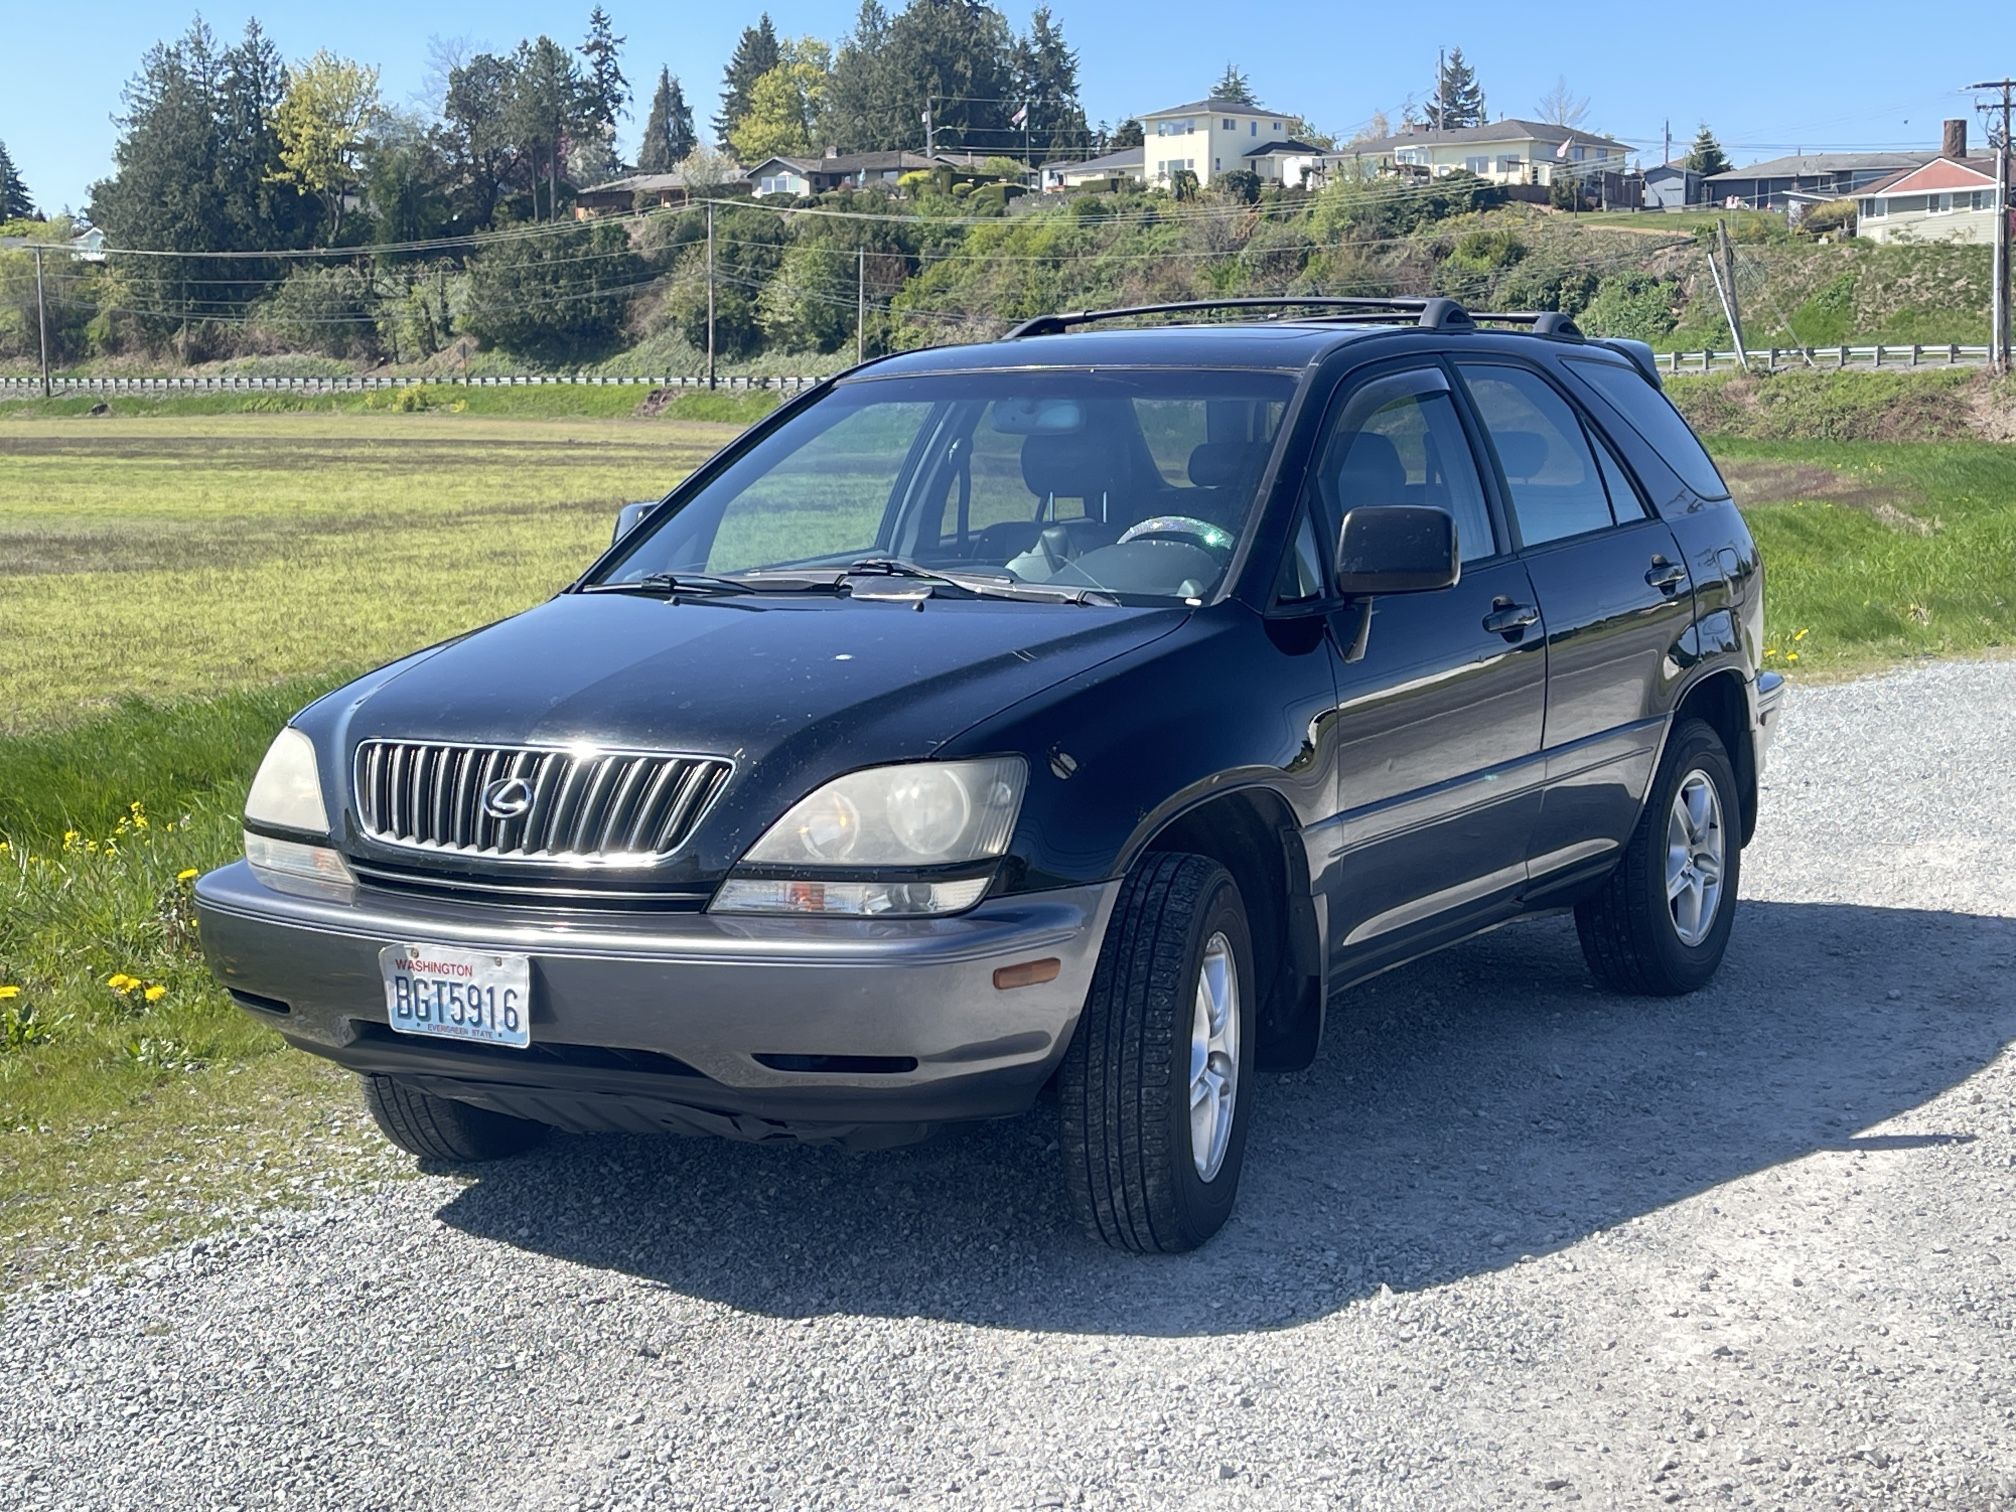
(1511, 1242)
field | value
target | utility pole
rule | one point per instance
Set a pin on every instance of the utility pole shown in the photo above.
(1666, 152)
(1440, 63)
(930, 127)
(710, 294)
(1722, 266)
(42, 321)
(1998, 336)
(860, 303)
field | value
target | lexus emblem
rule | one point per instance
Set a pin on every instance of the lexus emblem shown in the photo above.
(507, 798)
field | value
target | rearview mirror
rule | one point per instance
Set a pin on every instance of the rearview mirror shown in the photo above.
(628, 517)
(1396, 548)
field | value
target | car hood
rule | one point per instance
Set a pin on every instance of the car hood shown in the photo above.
(793, 690)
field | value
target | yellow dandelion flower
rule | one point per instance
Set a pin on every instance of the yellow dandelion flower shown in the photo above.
(70, 838)
(119, 981)
(1800, 636)
(155, 993)
(187, 874)
(7, 993)
(1791, 656)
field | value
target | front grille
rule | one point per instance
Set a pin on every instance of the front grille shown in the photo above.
(524, 803)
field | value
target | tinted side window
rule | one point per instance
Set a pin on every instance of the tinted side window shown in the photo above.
(1399, 441)
(1652, 415)
(1626, 504)
(1550, 472)
(1302, 575)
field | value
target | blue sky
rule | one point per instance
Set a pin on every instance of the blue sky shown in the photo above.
(1769, 77)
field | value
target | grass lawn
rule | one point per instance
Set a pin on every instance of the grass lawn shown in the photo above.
(182, 580)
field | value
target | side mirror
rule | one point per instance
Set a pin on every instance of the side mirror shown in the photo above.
(1396, 548)
(628, 516)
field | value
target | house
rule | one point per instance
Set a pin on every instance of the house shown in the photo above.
(1282, 161)
(1778, 183)
(1111, 171)
(1950, 199)
(835, 169)
(1671, 186)
(1510, 151)
(1213, 137)
(653, 191)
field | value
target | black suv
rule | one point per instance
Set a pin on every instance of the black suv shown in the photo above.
(1081, 711)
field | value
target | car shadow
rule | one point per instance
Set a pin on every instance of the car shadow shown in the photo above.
(1478, 1106)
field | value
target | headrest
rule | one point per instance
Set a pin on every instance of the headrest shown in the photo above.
(1067, 465)
(1524, 453)
(1215, 464)
(1372, 472)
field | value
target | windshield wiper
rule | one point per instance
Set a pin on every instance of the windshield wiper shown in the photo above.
(980, 584)
(712, 585)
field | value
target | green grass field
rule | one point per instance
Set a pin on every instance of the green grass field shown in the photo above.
(182, 580)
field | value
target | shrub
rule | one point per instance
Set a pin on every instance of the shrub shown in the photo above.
(328, 310)
(1631, 304)
(1836, 217)
(554, 298)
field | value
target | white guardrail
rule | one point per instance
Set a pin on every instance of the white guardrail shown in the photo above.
(1878, 355)
(19, 387)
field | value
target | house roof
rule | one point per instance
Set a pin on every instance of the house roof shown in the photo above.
(1213, 106)
(1112, 162)
(1283, 144)
(1816, 164)
(1930, 178)
(1667, 170)
(854, 162)
(652, 183)
(1511, 129)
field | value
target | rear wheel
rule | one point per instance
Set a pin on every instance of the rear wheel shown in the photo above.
(1661, 923)
(439, 1128)
(1155, 1090)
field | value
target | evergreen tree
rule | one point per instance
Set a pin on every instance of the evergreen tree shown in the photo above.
(668, 133)
(1046, 80)
(1233, 85)
(956, 57)
(252, 83)
(476, 136)
(1129, 133)
(15, 201)
(1706, 156)
(863, 114)
(755, 55)
(1458, 100)
(544, 108)
(605, 92)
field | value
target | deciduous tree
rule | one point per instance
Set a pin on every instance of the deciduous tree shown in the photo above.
(1561, 106)
(329, 105)
(787, 105)
(476, 130)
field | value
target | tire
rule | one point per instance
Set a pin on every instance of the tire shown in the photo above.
(1124, 1092)
(439, 1128)
(1634, 935)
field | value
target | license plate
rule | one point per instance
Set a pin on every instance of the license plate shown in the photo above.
(458, 994)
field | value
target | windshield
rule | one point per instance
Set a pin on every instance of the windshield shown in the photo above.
(1138, 483)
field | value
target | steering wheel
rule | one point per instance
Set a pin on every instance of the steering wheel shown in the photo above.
(1179, 528)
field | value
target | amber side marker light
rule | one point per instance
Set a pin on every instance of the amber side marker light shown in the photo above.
(1028, 973)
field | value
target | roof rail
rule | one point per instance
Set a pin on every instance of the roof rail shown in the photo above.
(1543, 322)
(1433, 313)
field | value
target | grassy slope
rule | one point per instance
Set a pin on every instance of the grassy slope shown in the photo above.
(238, 564)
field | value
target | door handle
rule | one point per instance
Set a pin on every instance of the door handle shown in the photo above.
(1664, 575)
(1508, 619)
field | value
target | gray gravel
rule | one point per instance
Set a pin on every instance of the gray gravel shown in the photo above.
(1512, 1242)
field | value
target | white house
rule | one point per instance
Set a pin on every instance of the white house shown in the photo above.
(1950, 199)
(1113, 170)
(1212, 138)
(1510, 151)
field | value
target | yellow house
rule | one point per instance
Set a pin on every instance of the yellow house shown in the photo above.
(1211, 138)
(1504, 152)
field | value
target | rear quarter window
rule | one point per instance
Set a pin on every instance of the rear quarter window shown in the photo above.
(1649, 412)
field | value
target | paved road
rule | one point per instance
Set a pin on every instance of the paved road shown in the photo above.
(1512, 1242)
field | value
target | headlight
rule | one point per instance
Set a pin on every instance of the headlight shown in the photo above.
(287, 792)
(927, 813)
(912, 820)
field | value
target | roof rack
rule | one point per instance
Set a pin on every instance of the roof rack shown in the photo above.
(1434, 313)
(1543, 322)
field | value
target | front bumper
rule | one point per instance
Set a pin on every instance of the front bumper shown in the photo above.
(872, 1029)
(1770, 705)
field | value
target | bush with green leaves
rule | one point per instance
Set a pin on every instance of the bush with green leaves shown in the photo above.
(330, 310)
(555, 298)
(1631, 304)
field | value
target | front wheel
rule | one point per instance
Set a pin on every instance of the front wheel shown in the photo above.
(1660, 924)
(439, 1128)
(1155, 1091)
